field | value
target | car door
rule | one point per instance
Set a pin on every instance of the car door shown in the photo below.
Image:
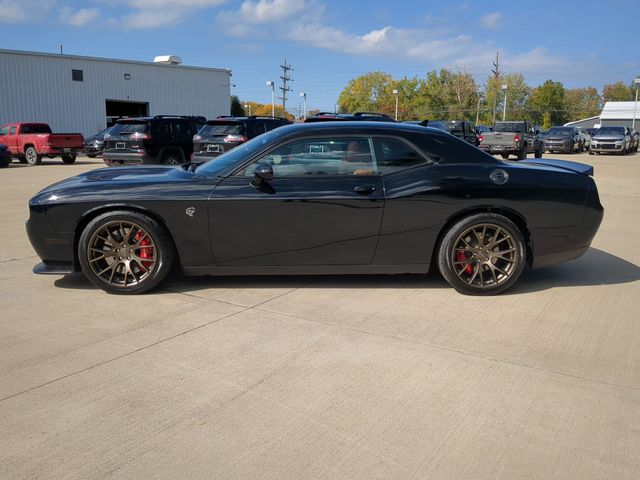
(323, 206)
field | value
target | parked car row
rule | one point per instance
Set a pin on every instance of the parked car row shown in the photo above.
(609, 139)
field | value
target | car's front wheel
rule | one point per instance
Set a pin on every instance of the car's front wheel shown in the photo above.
(483, 254)
(125, 252)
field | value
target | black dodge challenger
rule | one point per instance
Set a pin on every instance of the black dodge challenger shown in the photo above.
(323, 198)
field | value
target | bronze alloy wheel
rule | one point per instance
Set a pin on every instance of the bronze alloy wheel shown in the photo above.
(122, 254)
(484, 256)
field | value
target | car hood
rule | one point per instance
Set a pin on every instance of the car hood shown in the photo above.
(117, 180)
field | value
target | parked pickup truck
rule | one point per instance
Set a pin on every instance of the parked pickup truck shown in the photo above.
(512, 138)
(30, 142)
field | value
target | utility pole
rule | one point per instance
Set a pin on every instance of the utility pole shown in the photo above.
(285, 88)
(496, 75)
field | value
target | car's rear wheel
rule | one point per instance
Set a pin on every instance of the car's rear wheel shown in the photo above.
(69, 159)
(483, 254)
(538, 153)
(504, 155)
(171, 158)
(5, 161)
(522, 154)
(32, 157)
(125, 252)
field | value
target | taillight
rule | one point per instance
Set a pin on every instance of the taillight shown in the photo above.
(516, 138)
(234, 139)
(141, 136)
(481, 138)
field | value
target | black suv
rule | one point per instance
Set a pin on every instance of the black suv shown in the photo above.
(224, 133)
(357, 116)
(464, 130)
(163, 139)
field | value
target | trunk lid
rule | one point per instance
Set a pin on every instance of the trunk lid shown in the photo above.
(567, 165)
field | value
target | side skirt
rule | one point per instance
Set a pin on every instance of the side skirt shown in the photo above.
(309, 270)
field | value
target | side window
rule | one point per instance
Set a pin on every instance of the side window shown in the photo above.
(319, 156)
(396, 155)
(3, 130)
(164, 129)
(12, 130)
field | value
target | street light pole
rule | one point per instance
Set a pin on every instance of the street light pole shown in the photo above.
(395, 92)
(478, 110)
(505, 88)
(273, 97)
(636, 82)
(304, 97)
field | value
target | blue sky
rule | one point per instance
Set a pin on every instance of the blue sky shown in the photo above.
(329, 42)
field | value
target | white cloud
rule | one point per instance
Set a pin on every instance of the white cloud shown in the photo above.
(22, 11)
(273, 14)
(388, 41)
(268, 11)
(79, 18)
(150, 14)
(492, 21)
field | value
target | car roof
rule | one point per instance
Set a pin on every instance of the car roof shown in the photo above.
(357, 128)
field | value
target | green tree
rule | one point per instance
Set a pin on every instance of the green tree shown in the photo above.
(618, 92)
(449, 95)
(581, 103)
(237, 110)
(493, 100)
(546, 104)
(367, 93)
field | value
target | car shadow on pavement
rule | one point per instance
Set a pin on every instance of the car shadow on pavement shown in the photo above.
(596, 267)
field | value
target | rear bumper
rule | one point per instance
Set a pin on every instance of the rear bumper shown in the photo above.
(128, 158)
(47, 150)
(499, 149)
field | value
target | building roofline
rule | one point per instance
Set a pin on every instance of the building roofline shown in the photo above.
(111, 60)
(568, 124)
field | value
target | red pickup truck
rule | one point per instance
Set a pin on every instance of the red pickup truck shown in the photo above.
(30, 142)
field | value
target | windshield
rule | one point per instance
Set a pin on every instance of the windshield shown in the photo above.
(611, 131)
(509, 127)
(129, 128)
(560, 131)
(221, 129)
(218, 164)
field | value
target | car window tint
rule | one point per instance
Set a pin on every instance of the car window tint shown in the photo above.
(397, 155)
(319, 156)
(181, 129)
(12, 130)
(3, 130)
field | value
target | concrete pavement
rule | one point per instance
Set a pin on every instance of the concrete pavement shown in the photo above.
(324, 377)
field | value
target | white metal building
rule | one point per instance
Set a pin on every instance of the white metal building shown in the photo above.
(86, 94)
(613, 114)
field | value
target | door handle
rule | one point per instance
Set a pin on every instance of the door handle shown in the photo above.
(364, 189)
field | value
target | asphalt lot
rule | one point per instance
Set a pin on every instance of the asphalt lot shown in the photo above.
(324, 377)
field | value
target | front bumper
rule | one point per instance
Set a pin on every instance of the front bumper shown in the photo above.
(558, 146)
(53, 269)
(606, 147)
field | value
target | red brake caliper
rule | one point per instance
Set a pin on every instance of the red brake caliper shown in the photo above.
(145, 253)
(462, 257)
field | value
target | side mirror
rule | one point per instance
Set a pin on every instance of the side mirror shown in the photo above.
(262, 173)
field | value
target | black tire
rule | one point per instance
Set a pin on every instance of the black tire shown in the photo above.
(172, 158)
(504, 155)
(32, 157)
(454, 237)
(591, 152)
(22, 160)
(122, 252)
(522, 154)
(69, 159)
(538, 153)
(5, 161)
(91, 155)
